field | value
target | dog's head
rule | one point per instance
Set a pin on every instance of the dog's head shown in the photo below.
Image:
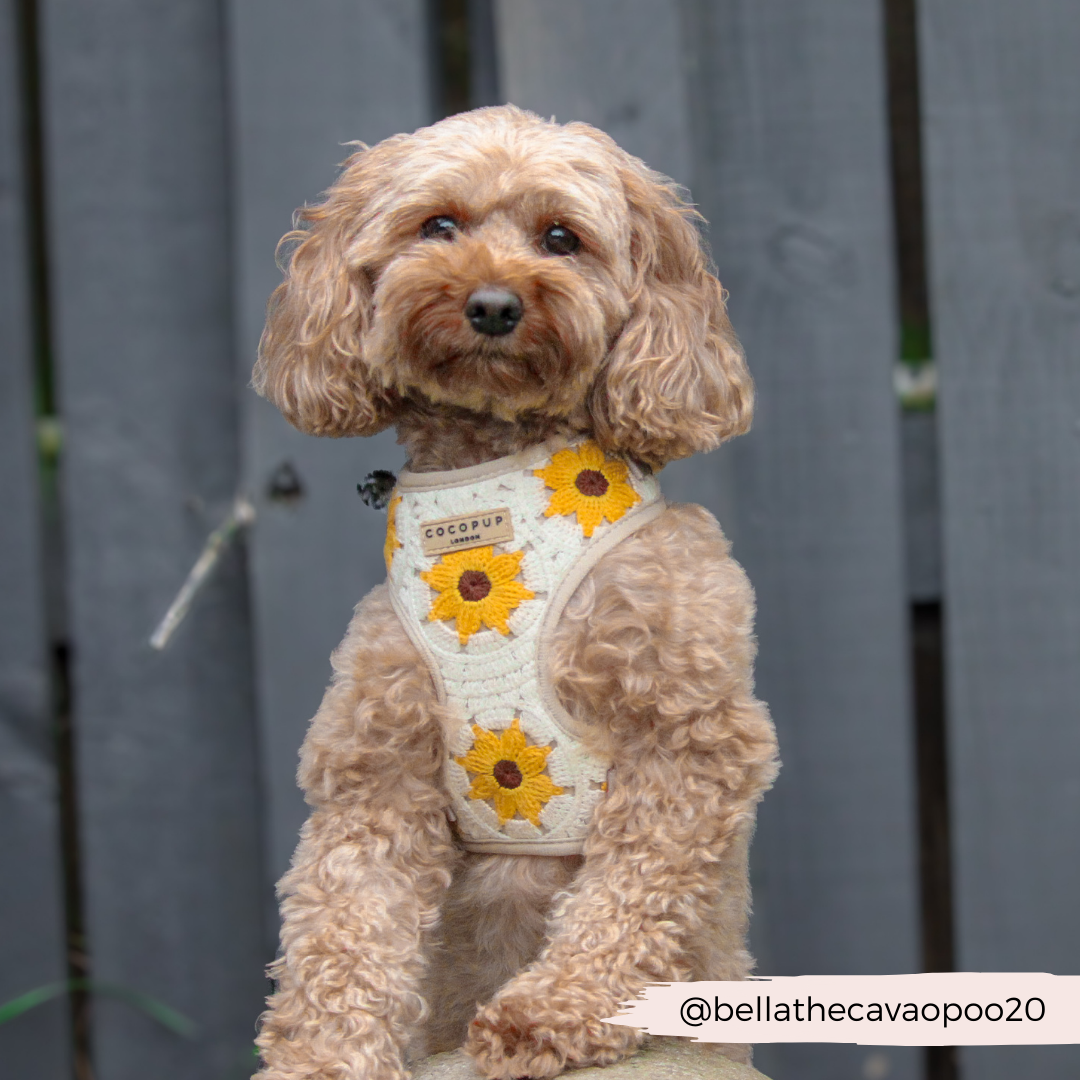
(511, 266)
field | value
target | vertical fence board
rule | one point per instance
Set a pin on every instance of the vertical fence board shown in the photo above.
(789, 124)
(1002, 111)
(633, 87)
(306, 79)
(167, 773)
(31, 906)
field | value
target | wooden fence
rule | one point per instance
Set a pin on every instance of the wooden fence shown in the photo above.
(151, 154)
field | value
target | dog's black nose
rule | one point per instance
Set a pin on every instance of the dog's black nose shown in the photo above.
(493, 311)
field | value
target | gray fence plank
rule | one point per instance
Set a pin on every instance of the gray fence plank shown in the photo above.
(31, 905)
(781, 132)
(1002, 111)
(613, 63)
(308, 78)
(139, 246)
(789, 123)
(635, 88)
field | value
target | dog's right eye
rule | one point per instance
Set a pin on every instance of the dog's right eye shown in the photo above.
(439, 228)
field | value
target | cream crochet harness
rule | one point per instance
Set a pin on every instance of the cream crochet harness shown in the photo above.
(481, 562)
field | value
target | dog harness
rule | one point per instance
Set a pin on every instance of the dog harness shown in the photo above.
(481, 562)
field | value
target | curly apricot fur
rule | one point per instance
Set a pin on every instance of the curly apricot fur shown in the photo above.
(396, 943)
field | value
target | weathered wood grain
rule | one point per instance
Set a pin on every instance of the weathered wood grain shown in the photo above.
(780, 130)
(789, 121)
(306, 80)
(31, 905)
(138, 205)
(1001, 91)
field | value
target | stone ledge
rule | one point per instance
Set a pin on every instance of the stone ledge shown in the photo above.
(663, 1059)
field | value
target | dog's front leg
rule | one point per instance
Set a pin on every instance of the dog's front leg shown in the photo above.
(662, 852)
(656, 650)
(373, 861)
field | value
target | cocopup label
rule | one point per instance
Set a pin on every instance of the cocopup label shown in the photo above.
(467, 531)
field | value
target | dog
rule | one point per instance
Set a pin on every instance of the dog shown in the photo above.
(532, 308)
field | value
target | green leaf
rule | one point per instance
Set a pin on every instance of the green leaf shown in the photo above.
(165, 1015)
(25, 1002)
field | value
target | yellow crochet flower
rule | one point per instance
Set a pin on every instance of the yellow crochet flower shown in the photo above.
(476, 587)
(392, 542)
(509, 772)
(589, 484)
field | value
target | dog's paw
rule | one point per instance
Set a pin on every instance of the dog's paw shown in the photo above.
(520, 1035)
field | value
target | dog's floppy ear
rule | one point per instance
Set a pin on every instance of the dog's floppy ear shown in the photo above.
(675, 382)
(310, 362)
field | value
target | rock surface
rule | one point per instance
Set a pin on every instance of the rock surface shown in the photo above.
(663, 1059)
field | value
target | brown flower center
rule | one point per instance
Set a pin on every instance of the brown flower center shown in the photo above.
(507, 774)
(474, 585)
(591, 482)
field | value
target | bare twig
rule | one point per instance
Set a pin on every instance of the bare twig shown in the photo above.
(241, 516)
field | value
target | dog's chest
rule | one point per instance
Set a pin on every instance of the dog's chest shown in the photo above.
(481, 562)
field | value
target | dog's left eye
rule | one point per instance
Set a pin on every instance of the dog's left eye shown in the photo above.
(439, 228)
(559, 240)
